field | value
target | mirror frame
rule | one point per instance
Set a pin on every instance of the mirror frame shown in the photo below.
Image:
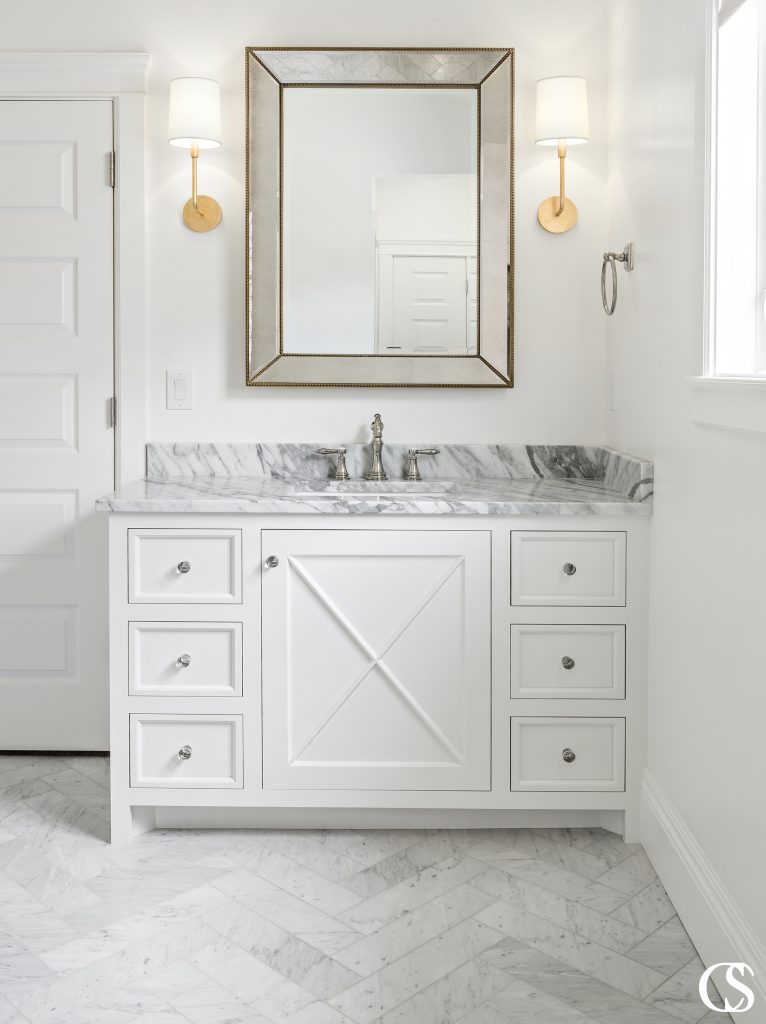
(267, 365)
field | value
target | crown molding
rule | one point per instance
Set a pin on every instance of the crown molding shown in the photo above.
(48, 73)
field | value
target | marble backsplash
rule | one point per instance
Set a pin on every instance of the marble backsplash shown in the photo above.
(617, 471)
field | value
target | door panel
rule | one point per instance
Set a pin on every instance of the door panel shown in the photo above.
(56, 442)
(376, 660)
(430, 296)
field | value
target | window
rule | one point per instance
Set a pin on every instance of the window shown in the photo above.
(738, 312)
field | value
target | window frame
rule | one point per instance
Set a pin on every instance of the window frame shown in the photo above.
(710, 335)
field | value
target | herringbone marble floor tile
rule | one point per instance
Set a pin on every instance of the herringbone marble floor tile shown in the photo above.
(550, 926)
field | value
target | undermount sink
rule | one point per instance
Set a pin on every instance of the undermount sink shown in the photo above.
(389, 489)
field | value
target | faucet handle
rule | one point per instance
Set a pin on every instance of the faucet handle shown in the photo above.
(341, 472)
(413, 473)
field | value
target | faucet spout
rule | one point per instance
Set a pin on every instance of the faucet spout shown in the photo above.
(376, 471)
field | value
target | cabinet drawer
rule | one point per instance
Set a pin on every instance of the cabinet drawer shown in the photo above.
(212, 743)
(542, 749)
(568, 661)
(185, 566)
(578, 568)
(201, 659)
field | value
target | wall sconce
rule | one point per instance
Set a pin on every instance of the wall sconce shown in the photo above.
(194, 123)
(562, 120)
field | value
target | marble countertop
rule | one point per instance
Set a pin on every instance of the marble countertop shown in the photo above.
(271, 478)
(263, 495)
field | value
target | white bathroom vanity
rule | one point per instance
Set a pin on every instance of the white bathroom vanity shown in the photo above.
(469, 650)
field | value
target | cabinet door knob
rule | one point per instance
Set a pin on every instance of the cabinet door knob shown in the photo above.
(185, 752)
(569, 569)
(184, 567)
(272, 561)
(568, 755)
(568, 662)
(184, 661)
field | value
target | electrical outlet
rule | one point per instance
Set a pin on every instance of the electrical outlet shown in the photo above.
(179, 385)
(613, 390)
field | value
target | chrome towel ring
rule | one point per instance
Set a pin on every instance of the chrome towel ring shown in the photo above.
(611, 259)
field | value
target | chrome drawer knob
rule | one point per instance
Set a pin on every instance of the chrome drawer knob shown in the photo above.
(569, 569)
(568, 755)
(184, 567)
(568, 662)
(185, 752)
(272, 561)
(184, 661)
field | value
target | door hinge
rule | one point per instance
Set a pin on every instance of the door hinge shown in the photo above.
(112, 170)
(112, 412)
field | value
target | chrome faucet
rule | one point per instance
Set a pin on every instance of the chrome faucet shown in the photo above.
(376, 471)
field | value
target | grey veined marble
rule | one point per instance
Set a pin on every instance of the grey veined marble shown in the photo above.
(271, 926)
(269, 478)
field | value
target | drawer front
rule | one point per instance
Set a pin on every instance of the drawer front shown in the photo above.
(568, 661)
(202, 659)
(212, 743)
(578, 568)
(185, 566)
(542, 749)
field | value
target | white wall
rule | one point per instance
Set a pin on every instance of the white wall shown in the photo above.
(426, 208)
(707, 700)
(196, 301)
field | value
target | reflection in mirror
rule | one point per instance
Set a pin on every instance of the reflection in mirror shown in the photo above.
(379, 217)
(380, 221)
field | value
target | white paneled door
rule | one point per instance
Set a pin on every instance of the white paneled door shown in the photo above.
(56, 441)
(430, 302)
(376, 659)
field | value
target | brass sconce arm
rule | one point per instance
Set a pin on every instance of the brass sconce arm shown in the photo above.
(562, 163)
(557, 213)
(194, 151)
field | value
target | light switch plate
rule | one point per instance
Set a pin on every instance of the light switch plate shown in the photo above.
(179, 386)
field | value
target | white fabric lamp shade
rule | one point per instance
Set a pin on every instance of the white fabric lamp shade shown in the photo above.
(562, 112)
(195, 113)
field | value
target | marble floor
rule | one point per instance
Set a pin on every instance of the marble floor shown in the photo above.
(414, 927)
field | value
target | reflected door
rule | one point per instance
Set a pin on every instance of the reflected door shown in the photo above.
(426, 305)
(430, 299)
(376, 660)
(56, 441)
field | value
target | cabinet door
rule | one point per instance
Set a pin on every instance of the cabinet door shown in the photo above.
(376, 659)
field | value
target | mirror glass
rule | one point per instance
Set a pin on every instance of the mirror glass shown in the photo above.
(380, 217)
(380, 221)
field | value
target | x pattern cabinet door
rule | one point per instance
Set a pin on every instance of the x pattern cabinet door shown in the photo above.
(376, 660)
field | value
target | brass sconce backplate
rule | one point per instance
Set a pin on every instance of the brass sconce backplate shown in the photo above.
(552, 220)
(205, 216)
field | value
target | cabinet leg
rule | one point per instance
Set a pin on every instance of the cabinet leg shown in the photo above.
(128, 822)
(625, 823)
(122, 825)
(631, 829)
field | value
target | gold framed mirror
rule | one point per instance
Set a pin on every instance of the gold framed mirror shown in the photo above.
(379, 217)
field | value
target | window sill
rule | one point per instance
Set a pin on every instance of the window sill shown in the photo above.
(733, 404)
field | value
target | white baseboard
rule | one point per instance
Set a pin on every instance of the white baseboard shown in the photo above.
(715, 923)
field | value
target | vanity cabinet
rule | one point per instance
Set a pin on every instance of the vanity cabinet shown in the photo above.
(376, 659)
(391, 670)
